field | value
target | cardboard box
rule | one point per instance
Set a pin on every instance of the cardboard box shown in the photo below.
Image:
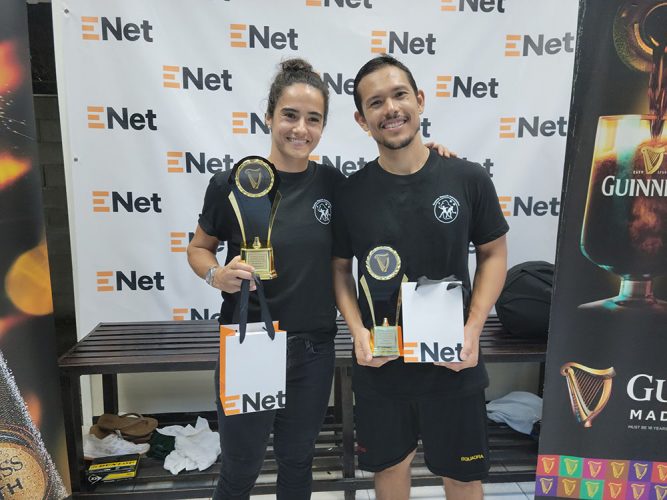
(109, 469)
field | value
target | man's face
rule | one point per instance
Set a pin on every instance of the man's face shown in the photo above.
(391, 108)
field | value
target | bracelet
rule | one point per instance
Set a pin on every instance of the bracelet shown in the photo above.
(210, 274)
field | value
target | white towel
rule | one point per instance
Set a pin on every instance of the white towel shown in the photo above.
(195, 447)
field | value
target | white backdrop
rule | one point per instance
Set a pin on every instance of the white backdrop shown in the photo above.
(496, 74)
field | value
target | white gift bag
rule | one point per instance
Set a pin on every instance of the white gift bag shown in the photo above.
(252, 373)
(432, 321)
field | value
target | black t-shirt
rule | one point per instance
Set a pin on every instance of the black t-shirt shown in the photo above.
(301, 297)
(429, 217)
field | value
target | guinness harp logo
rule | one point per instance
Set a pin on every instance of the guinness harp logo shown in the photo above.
(662, 472)
(254, 178)
(548, 464)
(637, 490)
(640, 470)
(546, 483)
(652, 158)
(660, 491)
(617, 469)
(594, 468)
(589, 390)
(592, 488)
(615, 489)
(571, 466)
(569, 486)
(383, 263)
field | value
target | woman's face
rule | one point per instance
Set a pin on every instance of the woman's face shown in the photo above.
(297, 122)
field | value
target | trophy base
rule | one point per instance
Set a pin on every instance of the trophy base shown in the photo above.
(262, 260)
(385, 341)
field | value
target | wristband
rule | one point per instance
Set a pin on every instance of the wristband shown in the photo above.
(210, 274)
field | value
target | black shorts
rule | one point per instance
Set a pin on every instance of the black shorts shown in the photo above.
(453, 432)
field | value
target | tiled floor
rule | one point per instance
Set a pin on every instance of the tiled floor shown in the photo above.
(495, 491)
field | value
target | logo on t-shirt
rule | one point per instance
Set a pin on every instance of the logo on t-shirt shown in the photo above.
(322, 210)
(446, 208)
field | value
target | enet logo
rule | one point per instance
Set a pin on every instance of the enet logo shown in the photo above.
(473, 5)
(526, 45)
(457, 86)
(179, 162)
(338, 83)
(244, 122)
(253, 402)
(118, 281)
(113, 201)
(179, 240)
(516, 206)
(176, 77)
(190, 313)
(391, 42)
(512, 127)
(95, 27)
(250, 36)
(119, 119)
(353, 4)
(346, 166)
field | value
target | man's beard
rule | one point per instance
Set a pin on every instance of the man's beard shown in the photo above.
(398, 143)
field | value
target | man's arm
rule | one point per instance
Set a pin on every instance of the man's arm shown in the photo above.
(487, 285)
(201, 257)
(346, 300)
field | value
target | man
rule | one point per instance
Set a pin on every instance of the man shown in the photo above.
(429, 209)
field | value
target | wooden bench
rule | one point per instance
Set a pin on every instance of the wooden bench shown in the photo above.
(170, 346)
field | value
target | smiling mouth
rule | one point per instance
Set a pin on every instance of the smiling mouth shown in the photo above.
(393, 123)
(297, 142)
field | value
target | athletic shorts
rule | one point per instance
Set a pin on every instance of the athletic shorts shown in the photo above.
(453, 433)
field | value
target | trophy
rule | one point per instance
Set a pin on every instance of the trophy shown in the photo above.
(381, 282)
(255, 199)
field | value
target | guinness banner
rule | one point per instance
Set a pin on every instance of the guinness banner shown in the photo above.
(32, 440)
(604, 432)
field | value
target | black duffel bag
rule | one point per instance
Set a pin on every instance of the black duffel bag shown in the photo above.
(523, 305)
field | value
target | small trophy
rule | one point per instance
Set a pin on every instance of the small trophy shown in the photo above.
(255, 199)
(381, 283)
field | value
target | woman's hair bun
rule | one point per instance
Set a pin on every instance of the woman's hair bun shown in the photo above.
(296, 64)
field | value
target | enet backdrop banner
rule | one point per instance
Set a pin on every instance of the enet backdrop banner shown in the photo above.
(32, 437)
(157, 95)
(605, 408)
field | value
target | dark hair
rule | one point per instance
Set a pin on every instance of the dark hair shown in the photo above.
(296, 71)
(375, 64)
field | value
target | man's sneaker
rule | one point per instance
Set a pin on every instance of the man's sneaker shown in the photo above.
(113, 444)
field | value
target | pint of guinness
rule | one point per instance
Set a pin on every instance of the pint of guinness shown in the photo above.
(625, 223)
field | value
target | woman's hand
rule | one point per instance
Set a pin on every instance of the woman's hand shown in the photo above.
(228, 278)
(441, 150)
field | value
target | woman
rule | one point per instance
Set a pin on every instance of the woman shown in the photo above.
(301, 297)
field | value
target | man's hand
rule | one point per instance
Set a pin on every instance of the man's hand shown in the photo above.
(441, 150)
(362, 349)
(469, 352)
(228, 278)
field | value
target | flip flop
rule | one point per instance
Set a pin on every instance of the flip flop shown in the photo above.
(132, 426)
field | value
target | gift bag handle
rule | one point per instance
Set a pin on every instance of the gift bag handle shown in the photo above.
(423, 280)
(265, 315)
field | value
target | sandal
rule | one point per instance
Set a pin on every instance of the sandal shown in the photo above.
(131, 426)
